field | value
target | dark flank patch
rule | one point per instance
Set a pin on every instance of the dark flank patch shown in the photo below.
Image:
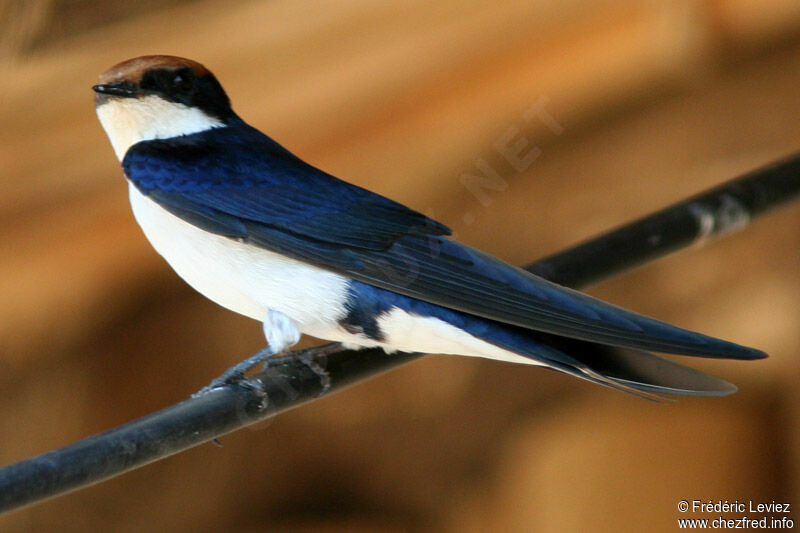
(363, 312)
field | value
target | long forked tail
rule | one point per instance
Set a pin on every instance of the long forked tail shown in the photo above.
(636, 372)
(643, 374)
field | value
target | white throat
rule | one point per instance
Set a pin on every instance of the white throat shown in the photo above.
(128, 121)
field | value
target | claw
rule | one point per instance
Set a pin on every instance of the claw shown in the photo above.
(310, 357)
(235, 373)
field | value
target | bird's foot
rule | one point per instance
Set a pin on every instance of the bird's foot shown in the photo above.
(313, 358)
(306, 355)
(235, 374)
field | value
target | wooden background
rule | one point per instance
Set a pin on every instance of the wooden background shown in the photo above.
(619, 107)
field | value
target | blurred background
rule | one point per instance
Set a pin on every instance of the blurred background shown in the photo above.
(526, 126)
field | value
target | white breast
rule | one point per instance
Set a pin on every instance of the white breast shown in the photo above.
(240, 277)
(250, 280)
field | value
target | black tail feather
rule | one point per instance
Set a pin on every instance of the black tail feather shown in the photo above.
(637, 372)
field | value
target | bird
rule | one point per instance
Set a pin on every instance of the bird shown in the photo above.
(261, 232)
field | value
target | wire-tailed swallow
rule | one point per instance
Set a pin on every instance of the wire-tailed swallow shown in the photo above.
(259, 231)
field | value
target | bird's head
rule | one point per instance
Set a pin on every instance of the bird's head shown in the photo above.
(158, 97)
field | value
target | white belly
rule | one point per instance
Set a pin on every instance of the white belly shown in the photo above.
(251, 280)
(242, 278)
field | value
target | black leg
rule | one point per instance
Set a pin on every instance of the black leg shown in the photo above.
(237, 371)
(313, 358)
(308, 356)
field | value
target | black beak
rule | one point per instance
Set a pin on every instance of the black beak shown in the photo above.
(122, 89)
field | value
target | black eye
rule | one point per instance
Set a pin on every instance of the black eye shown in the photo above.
(181, 82)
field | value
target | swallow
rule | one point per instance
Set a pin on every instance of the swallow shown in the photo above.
(261, 232)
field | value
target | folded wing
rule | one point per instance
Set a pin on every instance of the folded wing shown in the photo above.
(256, 191)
